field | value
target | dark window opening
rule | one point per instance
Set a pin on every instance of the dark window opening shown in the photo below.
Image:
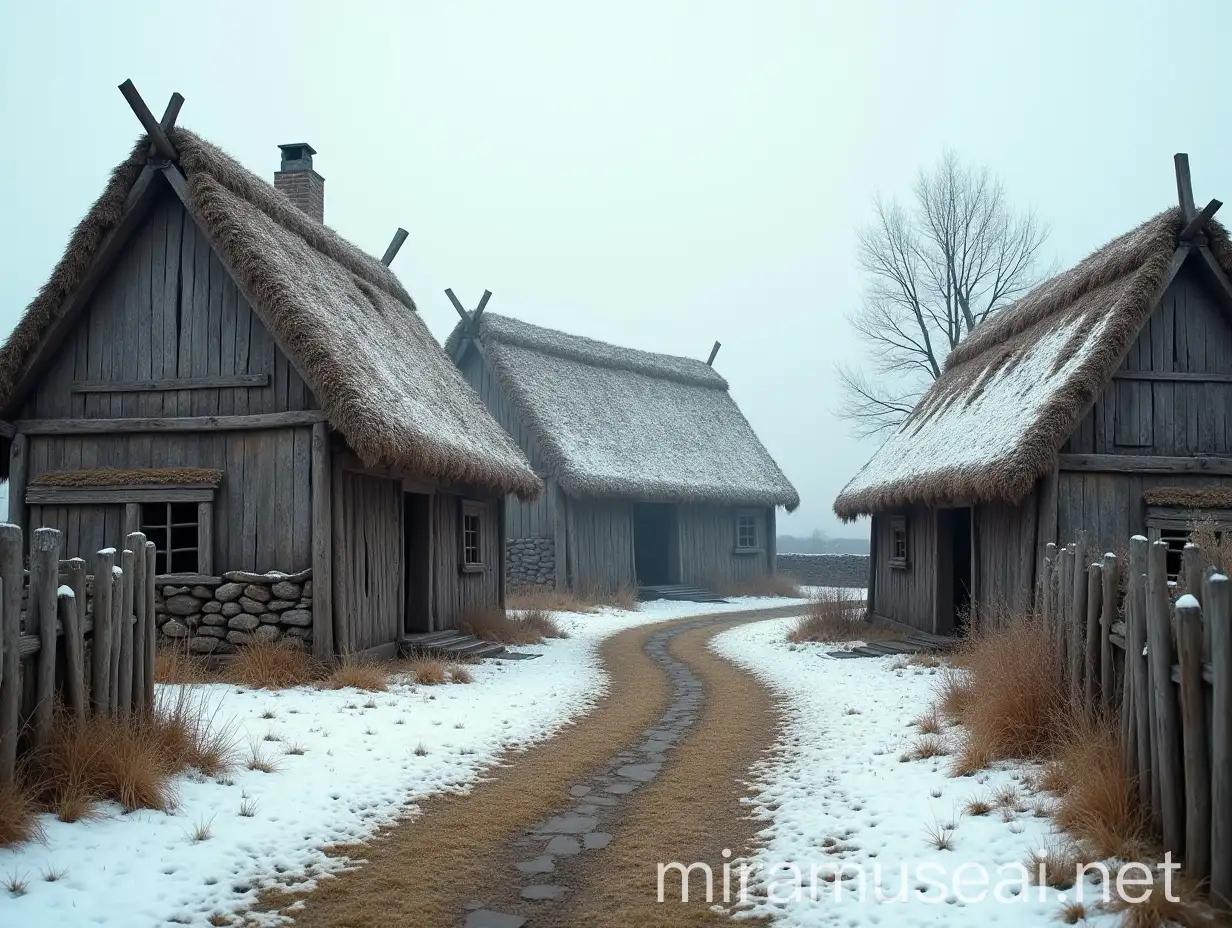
(746, 531)
(898, 542)
(472, 536)
(175, 530)
(1175, 539)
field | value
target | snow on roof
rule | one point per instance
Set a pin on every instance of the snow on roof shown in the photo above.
(1014, 391)
(381, 378)
(617, 422)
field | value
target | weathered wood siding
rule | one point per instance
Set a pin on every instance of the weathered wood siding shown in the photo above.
(600, 544)
(1004, 563)
(262, 510)
(456, 592)
(708, 543)
(1188, 333)
(167, 310)
(368, 561)
(906, 594)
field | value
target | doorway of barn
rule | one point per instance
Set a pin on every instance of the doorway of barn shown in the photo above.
(417, 547)
(962, 568)
(654, 531)
(954, 571)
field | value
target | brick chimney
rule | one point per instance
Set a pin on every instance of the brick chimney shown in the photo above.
(301, 184)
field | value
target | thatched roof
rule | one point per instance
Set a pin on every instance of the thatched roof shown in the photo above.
(616, 422)
(1016, 388)
(348, 325)
(114, 477)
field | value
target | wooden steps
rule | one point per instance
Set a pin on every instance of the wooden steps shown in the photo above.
(679, 593)
(449, 644)
(913, 642)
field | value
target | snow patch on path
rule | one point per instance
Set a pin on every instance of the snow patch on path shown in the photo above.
(837, 792)
(359, 770)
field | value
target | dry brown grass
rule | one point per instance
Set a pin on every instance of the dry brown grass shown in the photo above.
(493, 624)
(426, 671)
(542, 622)
(18, 816)
(1009, 705)
(358, 674)
(271, 665)
(176, 664)
(761, 585)
(459, 674)
(1191, 909)
(545, 599)
(836, 615)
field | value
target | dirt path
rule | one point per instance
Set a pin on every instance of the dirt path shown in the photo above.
(655, 770)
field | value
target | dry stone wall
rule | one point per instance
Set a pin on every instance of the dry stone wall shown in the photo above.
(218, 615)
(845, 570)
(530, 562)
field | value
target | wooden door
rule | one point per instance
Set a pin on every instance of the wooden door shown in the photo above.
(368, 563)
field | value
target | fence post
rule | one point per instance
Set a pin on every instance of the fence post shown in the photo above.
(1141, 678)
(41, 617)
(1090, 676)
(1111, 576)
(149, 553)
(70, 608)
(125, 689)
(100, 659)
(10, 631)
(117, 632)
(1050, 566)
(136, 543)
(1171, 815)
(1194, 740)
(1065, 588)
(1077, 626)
(77, 580)
(1219, 625)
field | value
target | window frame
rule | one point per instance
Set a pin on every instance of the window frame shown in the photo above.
(477, 510)
(756, 547)
(898, 531)
(202, 537)
(1176, 521)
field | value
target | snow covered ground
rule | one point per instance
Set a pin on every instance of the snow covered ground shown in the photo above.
(359, 768)
(837, 792)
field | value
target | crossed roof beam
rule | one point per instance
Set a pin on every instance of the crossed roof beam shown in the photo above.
(1195, 220)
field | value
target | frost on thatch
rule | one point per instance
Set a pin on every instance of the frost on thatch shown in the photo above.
(1011, 394)
(617, 422)
(344, 319)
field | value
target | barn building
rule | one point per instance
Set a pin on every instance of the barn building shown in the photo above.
(653, 476)
(1099, 404)
(212, 365)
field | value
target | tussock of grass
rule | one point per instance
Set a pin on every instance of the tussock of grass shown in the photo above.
(459, 674)
(271, 665)
(546, 599)
(928, 746)
(836, 615)
(761, 585)
(357, 674)
(929, 723)
(1055, 865)
(426, 671)
(1189, 910)
(18, 816)
(493, 624)
(176, 664)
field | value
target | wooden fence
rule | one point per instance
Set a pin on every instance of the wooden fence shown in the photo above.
(1159, 653)
(86, 640)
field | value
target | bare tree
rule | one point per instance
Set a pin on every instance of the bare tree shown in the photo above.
(934, 272)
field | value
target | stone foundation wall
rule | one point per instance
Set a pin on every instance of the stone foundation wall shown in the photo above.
(845, 570)
(236, 609)
(530, 562)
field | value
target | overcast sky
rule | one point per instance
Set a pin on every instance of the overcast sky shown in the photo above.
(651, 173)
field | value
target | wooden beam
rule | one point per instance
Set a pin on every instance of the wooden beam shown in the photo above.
(483, 304)
(713, 353)
(322, 545)
(170, 115)
(1217, 272)
(151, 125)
(392, 251)
(7, 429)
(1173, 376)
(114, 496)
(457, 305)
(140, 198)
(1146, 464)
(215, 381)
(19, 472)
(267, 420)
(1184, 186)
(1199, 221)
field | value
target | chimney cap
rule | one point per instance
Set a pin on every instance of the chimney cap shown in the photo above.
(297, 156)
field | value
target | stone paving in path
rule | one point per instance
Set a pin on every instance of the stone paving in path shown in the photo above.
(599, 799)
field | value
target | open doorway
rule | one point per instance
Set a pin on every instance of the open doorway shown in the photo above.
(961, 522)
(417, 547)
(954, 571)
(654, 529)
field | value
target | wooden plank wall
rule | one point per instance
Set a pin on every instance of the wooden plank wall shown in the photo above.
(456, 592)
(1004, 565)
(906, 595)
(1188, 333)
(708, 541)
(600, 542)
(167, 310)
(522, 520)
(368, 551)
(262, 510)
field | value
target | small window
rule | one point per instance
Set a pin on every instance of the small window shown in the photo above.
(746, 532)
(472, 535)
(1175, 539)
(898, 542)
(176, 532)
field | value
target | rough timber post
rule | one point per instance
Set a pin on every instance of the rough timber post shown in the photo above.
(322, 546)
(1065, 589)
(100, 660)
(136, 543)
(124, 686)
(1091, 648)
(1140, 677)
(1107, 676)
(1219, 621)
(117, 631)
(72, 617)
(1170, 814)
(1077, 624)
(41, 617)
(1194, 732)
(149, 553)
(10, 628)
